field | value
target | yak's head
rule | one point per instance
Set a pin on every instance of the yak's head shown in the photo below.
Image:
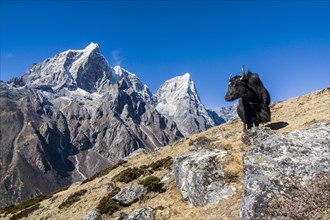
(237, 87)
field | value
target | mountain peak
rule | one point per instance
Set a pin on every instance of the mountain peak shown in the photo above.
(87, 50)
(178, 99)
(184, 78)
(186, 75)
(72, 69)
(118, 70)
(91, 47)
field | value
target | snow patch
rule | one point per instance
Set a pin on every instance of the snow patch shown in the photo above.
(77, 168)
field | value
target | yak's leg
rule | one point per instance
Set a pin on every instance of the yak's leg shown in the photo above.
(249, 125)
(244, 126)
(248, 120)
(256, 124)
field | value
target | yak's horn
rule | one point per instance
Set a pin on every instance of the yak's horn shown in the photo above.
(243, 73)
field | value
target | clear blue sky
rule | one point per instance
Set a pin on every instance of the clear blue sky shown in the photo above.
(286, 42)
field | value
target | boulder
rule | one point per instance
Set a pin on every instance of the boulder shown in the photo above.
(279, 172)
(111, 186)
(130, 194)
(145, 213)
(255, 135)
(92, 215)
(200, 177)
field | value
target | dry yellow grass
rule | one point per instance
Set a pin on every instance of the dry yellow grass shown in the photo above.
(297, 112)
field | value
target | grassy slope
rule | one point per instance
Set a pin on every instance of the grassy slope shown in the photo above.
(298, 112)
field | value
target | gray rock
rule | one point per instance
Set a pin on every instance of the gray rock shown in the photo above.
(200, 177)
(145, 213)
(255, 135)
(130, 194)
(111, 186)
(92, 215)
(166, 177)
(283, 159)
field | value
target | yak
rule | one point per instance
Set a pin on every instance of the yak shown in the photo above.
(254, 99)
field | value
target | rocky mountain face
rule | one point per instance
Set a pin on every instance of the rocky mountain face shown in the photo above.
(70, 116)
(73, 115)
(228, 113)
(178, 100)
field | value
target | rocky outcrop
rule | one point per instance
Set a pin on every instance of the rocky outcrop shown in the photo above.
(92, 215)
(256, 135)
(145, 213)
(200, 177)
(280, 169)
(130, 194)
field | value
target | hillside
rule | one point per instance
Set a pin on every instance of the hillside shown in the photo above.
(296, 114)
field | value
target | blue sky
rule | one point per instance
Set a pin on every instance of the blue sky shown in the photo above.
(286, 42)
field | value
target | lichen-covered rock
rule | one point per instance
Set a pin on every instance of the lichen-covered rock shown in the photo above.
(255, 135)
(277, 166)
(145, 213)
(130, 194)
(200, 177)
(111, 186)
(92, 215)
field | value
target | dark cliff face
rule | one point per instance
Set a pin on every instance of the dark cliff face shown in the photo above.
(69, 117)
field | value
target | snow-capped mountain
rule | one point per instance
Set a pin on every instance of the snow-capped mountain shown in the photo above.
(69, 117)
(178, 100)
(86, 69)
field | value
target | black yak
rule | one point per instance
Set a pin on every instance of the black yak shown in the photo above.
(254, 99)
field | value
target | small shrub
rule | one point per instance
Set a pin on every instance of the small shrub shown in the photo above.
(129, 174)
(200, 142)
(165, 163)
(107, 205)
(60, 190)
(230, 176)
(75, 197)
(104, 172)
(162, 163)
(25, 212)
(146, 169)
(28, 203)
(191, 142)
(153, 184)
